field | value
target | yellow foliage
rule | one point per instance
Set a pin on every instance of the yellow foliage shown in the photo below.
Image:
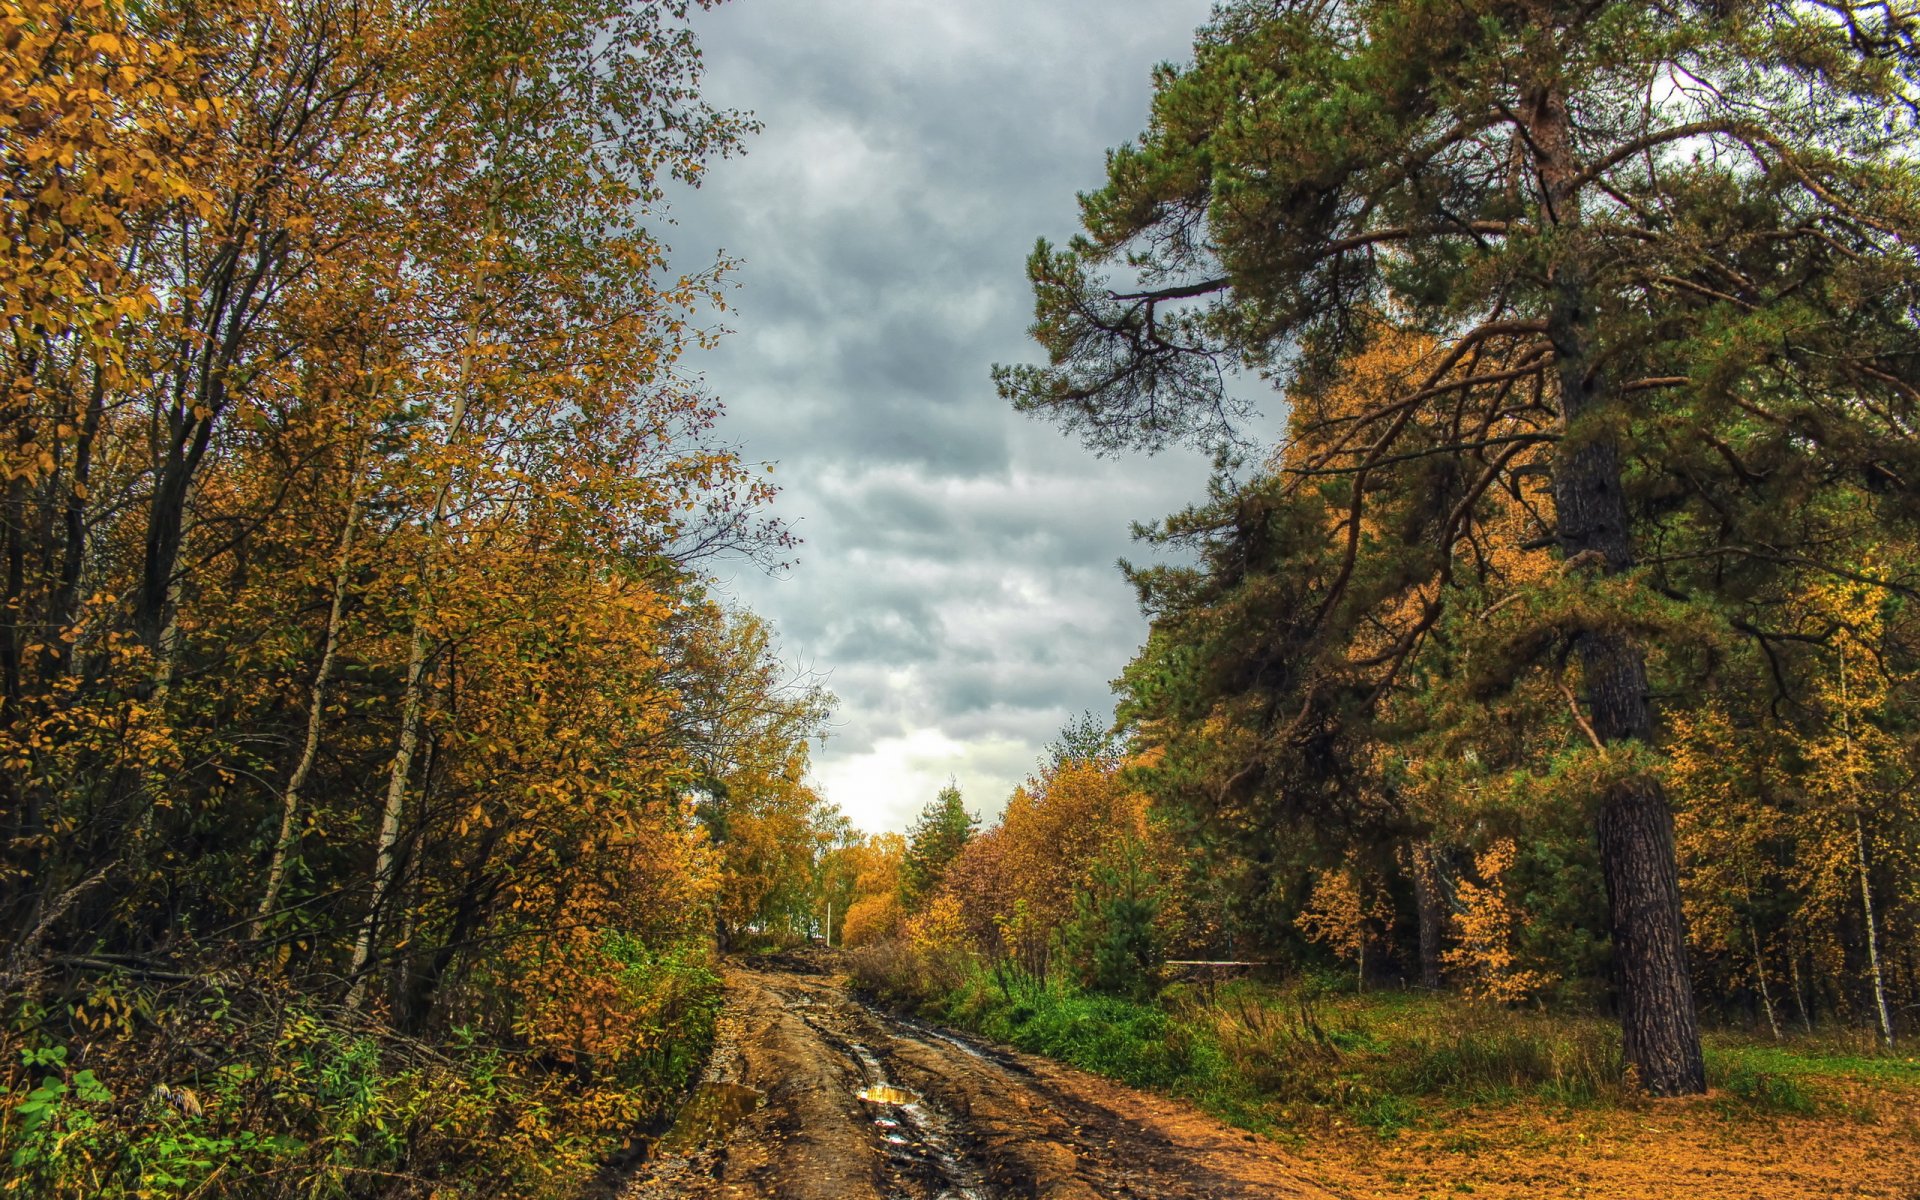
(871, 919)
(873, 911)
(1346, 911)
(1016, 882)
(939, 928)
(1483, 953)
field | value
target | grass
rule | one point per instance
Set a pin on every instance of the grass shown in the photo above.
(1409, 1094)
(1306, 1054)
(1135, 1043)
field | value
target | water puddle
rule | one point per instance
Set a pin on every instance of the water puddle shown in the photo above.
(714, 1108)
(919, 1135)
(923, 1142)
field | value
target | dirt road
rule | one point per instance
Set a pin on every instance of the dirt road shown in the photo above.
(781, 1114)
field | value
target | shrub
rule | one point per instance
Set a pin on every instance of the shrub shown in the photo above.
(1115, 937)
(238, 1086)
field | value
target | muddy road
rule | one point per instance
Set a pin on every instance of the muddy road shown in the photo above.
(813, 1095)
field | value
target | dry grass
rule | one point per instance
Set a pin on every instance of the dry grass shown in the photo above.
(1412, 1094)
(1404, 1094)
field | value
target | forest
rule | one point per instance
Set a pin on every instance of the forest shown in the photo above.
(389, 778)
(379, 763)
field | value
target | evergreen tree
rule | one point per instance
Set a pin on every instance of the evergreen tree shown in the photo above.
(1115, 937)
(1663, 256)
(943, 828)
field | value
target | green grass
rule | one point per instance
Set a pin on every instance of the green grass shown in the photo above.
(1135, 1043)
(1796, 1077)
(1271, 1057)
(1831, 1056)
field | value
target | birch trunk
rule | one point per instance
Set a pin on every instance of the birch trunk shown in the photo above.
(316, 708)
(1760, 973)
(1874, 971)
(414, 694)
(1873, 938)
(1800, 993)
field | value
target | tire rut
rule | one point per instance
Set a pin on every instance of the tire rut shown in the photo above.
(926, 1154)
(968, 1122)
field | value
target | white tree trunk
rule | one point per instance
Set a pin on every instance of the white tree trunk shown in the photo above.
(316, 708)
(414, 696)
(1860, 860)
(1873, 939)
(1760, 973)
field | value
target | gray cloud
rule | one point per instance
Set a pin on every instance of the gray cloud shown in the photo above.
(957, 583)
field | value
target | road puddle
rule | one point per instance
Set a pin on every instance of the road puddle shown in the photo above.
(714, 1108)
(920, 1138)
(924, 1145)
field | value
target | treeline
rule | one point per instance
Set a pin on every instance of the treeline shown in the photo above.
(377, 761)
(1566, 648)
(1076, 882)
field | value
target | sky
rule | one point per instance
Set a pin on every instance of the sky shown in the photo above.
(956, 587)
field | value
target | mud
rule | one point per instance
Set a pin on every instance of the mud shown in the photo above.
(812, 1094)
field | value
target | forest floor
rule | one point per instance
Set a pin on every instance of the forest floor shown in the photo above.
(813, 1093)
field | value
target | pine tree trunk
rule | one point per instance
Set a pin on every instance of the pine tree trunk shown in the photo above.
(1429, 910)
(1660, 1026)
(1635, 825)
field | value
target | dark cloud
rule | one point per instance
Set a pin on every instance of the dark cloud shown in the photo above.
(957, 583)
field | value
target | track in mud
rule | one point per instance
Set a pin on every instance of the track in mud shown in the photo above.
(812, 1094)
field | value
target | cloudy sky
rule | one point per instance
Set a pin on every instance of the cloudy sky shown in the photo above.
(957, 586)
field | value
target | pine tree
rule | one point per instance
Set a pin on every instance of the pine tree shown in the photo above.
(936, 838)
(1694, 301)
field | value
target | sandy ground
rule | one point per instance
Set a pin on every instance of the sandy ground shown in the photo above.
(781, 1116)
(1664, 1150)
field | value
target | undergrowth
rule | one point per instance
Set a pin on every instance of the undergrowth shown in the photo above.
(1306, 1052)
(241, 1086)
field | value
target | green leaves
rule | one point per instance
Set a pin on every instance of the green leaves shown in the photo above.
(933, 841)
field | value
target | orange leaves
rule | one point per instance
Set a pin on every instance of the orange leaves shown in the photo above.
(1347, 911)
(91, 129)
(1052, 838)
(344, 413)
(1485, 924)
(872, 909)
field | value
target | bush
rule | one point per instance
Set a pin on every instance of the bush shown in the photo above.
(1115, 938)
(238, 1086)
(888, 970)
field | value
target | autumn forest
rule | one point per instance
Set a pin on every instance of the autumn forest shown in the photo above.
(393, 789)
